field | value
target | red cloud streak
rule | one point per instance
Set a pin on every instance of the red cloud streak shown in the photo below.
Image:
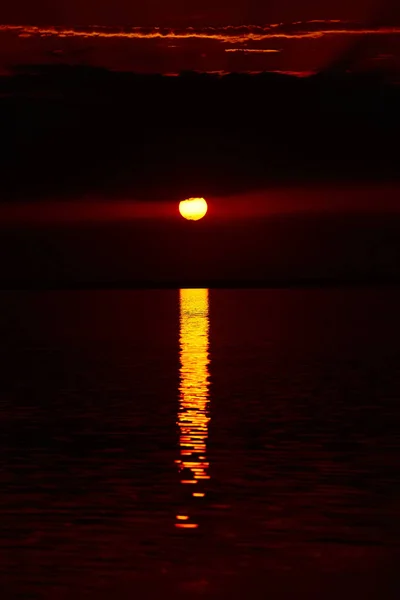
(228, 35)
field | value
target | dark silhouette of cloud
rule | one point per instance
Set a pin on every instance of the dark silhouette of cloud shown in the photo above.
(73, 132)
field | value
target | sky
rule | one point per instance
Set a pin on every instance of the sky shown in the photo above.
(209, 35)
(73, 148)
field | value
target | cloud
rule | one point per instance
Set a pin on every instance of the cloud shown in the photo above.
(229, 35)
(253, 50)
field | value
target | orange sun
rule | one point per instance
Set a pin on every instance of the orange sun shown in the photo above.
(193, 208)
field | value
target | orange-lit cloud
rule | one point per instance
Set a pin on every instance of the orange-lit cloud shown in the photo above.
(230, 34)
(253, 50)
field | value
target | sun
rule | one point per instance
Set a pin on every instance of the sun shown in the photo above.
(193, 208)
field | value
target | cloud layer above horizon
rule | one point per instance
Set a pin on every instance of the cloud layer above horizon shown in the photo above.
(300, 47)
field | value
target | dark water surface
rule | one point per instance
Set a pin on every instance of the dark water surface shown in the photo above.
(200, 444)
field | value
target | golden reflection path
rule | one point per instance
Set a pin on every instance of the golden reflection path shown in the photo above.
(194, 394)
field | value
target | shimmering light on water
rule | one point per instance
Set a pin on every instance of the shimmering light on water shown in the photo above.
(194, 386)
(303, 445)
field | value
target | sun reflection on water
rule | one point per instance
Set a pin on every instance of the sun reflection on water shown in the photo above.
(194, 391)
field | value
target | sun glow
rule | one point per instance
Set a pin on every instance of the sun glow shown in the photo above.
(193, 208)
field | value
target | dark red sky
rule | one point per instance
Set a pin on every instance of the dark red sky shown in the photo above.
(300, 48)
(173, 12)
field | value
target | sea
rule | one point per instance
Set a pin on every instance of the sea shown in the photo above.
(200, 443)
